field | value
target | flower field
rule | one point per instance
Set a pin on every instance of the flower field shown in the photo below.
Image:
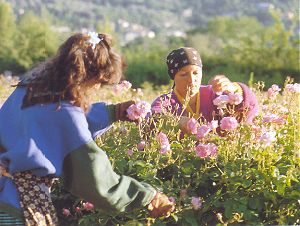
(247, 176)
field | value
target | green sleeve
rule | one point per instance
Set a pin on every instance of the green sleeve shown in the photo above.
(112, 112)
(88, 174)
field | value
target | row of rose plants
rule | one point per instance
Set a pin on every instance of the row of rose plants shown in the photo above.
(249, 176)
(220, 173)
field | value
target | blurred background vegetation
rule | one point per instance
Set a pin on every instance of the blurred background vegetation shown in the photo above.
(246, 40)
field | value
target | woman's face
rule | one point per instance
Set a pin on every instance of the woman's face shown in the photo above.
(188, 80)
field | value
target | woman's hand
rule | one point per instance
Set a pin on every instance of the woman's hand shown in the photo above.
(121, 108)
(220, 84)
(160, 206)
(183, 124)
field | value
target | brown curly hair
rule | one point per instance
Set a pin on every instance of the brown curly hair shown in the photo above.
(73, 71)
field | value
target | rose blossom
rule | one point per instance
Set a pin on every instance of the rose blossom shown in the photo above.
(267, 138)
(162, 138)
(269, 117)
(196, 203)
(88, 206)
(280, 120)
(293, 88)
(221, 101)
(66, 212)
(273, 91)
(213, 124)
(164, 149)
(202, 150)
(273, 118)
(203, 131)
(172, 199)
(228, 123)
(206, 150)
(213, 150)
(130, 152)
(192, 125)
(163, 142)
(125, 84)
(138, 111)
(141, 145)
(77, 209)
(235, 98)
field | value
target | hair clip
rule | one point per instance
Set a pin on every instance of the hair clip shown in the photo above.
(94, 38)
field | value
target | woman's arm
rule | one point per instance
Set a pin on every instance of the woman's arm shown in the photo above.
(88, 174)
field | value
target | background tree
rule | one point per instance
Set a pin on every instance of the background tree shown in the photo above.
(7, 32)
(34, 40)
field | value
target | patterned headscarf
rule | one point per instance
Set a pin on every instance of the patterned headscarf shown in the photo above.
(181, 57)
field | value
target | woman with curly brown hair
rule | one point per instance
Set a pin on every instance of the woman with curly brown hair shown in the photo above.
(47, 130)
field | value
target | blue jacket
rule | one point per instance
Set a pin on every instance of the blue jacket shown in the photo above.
(59, 141)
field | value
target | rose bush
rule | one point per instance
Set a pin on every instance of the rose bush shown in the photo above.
(250, 176)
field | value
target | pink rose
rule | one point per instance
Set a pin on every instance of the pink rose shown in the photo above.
(88, 206)
(213, 124)
(141, 145)
(138, 111)
(125, 84)
(273, 118)
(196, 203)
(203, 131)
(192, 125)
(213, 150)
(269, 118)
(206, 150)
(273, 91)
(293, 88)
(235, 98)
(202, 150)
(129, 152)
(162, 138)
(164, 149)
(66, 212)
(172, 199)
(77, 209)
(280, 120)
(228, 123)
(221, 101)
(267, 138)
(163, 142)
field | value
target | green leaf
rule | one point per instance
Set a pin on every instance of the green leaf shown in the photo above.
(280, 187)
(187, 168)
(190, 217)
(255, 203)
(175, 217)
(121, 165)
(133, 223)
(246, 183)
